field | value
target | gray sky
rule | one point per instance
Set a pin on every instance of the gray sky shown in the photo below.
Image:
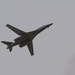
(54, 48)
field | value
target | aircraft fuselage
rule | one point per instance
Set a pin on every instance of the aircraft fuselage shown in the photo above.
(24, 39)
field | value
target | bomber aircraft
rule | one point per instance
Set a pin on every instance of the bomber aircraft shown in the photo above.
(25, 38)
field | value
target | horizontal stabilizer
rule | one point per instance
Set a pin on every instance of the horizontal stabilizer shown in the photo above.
(7, 43)
(10, 49)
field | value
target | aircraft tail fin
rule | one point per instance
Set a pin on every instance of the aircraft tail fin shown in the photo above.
(8, 44)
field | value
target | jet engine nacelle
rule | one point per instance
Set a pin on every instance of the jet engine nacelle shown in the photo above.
(23, 44)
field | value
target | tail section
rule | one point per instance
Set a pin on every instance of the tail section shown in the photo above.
(8, 44)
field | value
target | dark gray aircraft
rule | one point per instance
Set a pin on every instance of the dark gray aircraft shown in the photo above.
(25, 38)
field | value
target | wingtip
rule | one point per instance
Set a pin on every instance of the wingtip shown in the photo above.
(7, 24)
(32, 54)
(2, 41)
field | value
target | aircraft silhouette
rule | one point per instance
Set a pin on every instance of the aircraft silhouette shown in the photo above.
(25, 38)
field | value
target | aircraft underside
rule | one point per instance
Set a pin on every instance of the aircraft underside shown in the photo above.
(25, 38)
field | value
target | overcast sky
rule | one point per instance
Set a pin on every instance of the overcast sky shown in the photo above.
(54, 48)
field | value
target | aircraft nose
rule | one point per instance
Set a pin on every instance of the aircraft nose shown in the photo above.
(49, 24)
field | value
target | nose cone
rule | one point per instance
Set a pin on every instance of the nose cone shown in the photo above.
(49, 25)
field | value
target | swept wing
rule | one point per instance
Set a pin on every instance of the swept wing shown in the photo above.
(30, 47)
(16, 30)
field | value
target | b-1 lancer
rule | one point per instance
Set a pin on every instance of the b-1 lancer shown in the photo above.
(25, 38)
